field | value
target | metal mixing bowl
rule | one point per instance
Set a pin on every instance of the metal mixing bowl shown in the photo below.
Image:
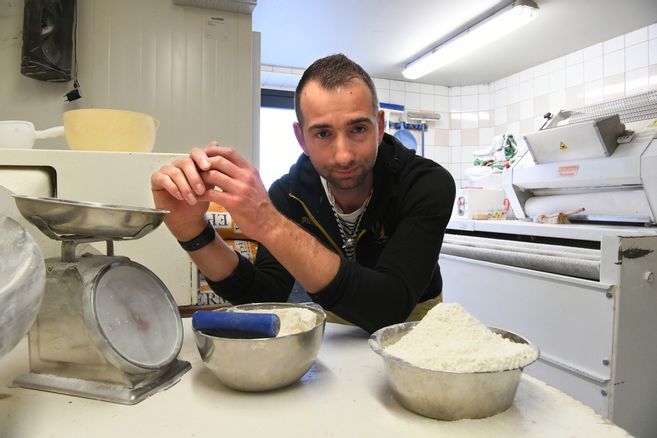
(266, 363)
(446, 395)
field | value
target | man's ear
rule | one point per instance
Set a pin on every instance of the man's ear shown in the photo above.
(382, 125)
(298, 133)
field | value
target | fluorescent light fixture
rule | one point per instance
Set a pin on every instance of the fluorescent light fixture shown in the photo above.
(502, 22)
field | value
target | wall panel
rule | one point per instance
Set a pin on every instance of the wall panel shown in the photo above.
(149, 56)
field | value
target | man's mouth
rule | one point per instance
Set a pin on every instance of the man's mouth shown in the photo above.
(345, 172)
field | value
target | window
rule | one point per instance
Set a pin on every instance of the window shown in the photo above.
(278, 146)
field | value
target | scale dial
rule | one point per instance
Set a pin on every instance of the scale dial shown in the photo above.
(137, 317)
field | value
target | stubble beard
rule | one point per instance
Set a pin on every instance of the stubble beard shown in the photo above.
(351, 183)
(347, 184)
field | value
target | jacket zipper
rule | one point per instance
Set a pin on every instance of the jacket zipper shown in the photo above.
(363, 231)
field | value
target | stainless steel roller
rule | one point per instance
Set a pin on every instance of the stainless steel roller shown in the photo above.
(564, 260)
(529, 247)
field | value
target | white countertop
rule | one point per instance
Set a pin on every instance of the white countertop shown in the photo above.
(344, 395)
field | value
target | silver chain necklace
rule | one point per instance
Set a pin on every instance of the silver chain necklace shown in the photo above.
(348, 241)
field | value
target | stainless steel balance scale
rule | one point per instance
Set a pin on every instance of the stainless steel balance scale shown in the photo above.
(107, 328)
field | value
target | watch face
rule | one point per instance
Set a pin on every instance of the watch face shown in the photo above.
(137, 316)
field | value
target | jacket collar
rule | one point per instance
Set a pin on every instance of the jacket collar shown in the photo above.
(391, 159)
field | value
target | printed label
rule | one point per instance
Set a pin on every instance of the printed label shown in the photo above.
(568, 170)
(223, 222)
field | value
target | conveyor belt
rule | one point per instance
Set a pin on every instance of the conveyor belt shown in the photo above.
(630, 204)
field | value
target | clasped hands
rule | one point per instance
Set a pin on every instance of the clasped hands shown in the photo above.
(213, 174)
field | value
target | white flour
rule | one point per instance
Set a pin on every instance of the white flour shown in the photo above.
(448, 338)
(293, 319)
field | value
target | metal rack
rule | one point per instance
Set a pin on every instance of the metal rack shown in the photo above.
(642, 106)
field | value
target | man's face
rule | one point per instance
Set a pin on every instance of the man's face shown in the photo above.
(340, 132)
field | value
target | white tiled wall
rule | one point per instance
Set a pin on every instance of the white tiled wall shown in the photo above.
(279, 78)
(470, 116)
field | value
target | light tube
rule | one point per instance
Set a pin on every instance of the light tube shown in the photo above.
(482, 33)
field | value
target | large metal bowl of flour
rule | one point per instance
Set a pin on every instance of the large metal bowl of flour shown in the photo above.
(446, 395)
(262, 364)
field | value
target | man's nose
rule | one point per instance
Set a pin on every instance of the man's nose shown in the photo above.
(344, 153)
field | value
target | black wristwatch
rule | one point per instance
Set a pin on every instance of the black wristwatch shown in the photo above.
(205, 238)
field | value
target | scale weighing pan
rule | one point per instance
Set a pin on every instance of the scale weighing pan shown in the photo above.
(62, 219)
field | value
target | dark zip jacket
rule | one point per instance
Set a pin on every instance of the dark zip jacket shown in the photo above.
(396, 249)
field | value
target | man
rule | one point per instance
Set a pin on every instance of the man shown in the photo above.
(358, 221)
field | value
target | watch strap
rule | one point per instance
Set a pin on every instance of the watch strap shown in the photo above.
(205, 238)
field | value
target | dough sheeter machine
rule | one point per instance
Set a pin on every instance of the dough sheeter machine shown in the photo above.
(584, 291)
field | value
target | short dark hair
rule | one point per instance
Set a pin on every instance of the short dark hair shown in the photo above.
(333, 72)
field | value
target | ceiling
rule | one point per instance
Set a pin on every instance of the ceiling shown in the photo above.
(384, 35)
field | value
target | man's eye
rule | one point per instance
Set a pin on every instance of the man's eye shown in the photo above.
(359, 129)
(323, 134)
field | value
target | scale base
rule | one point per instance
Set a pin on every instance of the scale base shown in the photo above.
(100, 390)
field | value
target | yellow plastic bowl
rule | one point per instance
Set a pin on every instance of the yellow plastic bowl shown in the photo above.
(110, 130)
